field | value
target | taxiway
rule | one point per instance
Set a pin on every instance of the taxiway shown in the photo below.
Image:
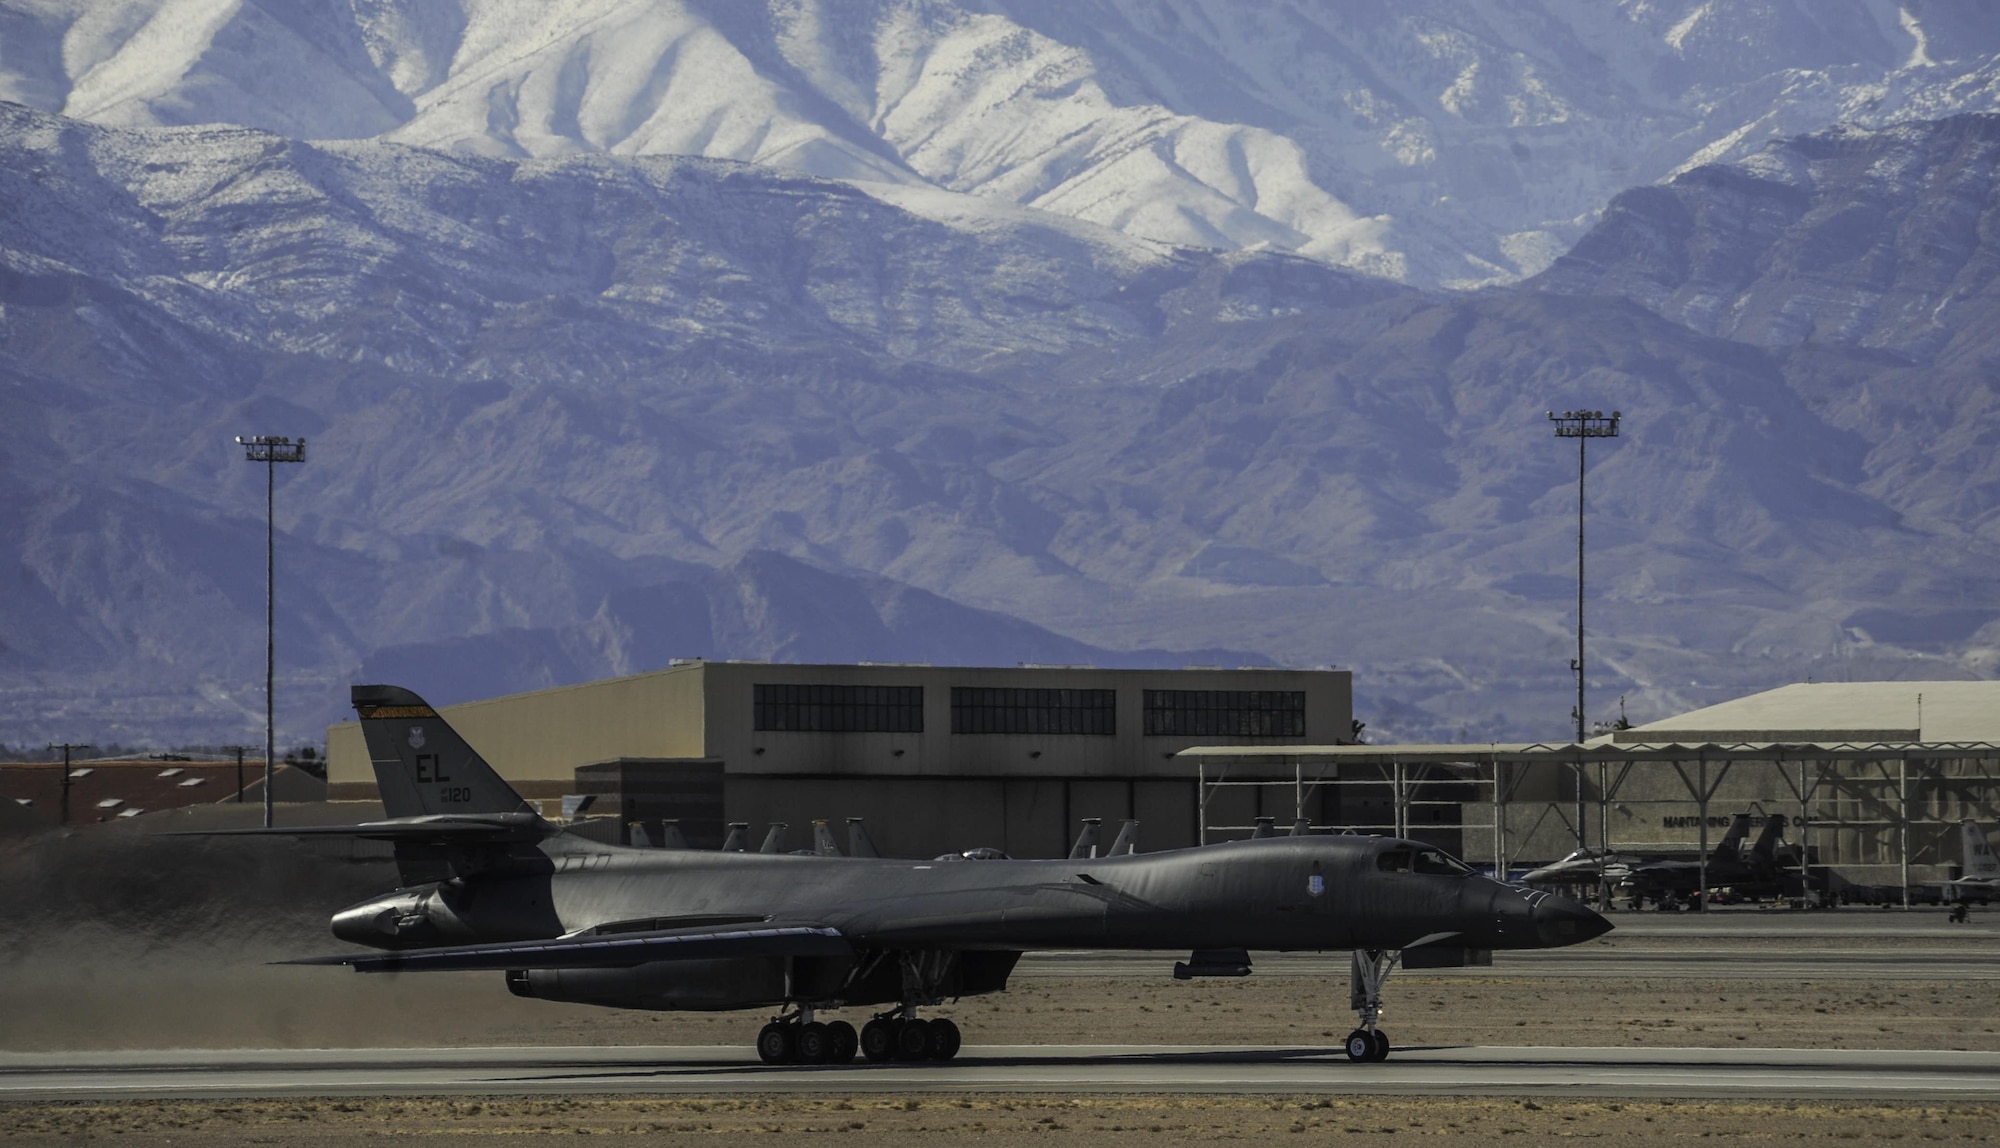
(1624, 1072)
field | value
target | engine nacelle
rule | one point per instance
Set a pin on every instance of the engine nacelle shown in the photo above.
(674, 986)
(451, 913)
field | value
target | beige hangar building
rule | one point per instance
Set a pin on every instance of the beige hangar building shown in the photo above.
(933, 758)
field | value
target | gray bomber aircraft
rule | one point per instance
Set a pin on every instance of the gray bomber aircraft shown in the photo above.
(488, 884)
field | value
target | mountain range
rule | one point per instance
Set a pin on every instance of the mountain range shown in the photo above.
(578, 410)
(1436, 142)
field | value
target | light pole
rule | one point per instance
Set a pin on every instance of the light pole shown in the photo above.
(66, 747)
(1581, 426)
(270, 450)
(239, 770)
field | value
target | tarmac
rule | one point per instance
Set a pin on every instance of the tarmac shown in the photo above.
(1848, 946)
(1737, 1073)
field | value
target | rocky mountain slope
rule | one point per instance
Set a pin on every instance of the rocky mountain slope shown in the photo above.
(578, 416)
(1431, 141)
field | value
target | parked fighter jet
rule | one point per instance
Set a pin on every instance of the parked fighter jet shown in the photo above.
(1768, 866)
(1595, 867)
(488, 884)
(1980, 877)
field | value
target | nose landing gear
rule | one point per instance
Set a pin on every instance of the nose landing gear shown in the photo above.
(1369, 971)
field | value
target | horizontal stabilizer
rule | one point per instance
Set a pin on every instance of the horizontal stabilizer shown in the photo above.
(496, 829)
(622, 950)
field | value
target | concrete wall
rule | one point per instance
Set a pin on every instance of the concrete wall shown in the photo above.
(924, 817)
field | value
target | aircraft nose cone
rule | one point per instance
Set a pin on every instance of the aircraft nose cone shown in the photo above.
(1560, 921)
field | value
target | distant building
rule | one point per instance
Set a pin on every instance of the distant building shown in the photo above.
(934, 758)
(118, 790)
(1871, 777)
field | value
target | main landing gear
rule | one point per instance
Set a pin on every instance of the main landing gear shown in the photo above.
(1370, 969)
(799, 1039)
(902, 1035)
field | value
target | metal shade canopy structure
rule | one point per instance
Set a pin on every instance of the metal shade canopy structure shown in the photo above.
(1880, 783)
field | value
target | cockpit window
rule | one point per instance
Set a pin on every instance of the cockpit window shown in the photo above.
(1442, 863)
(1432, 861)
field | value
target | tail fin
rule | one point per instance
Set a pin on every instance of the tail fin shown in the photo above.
(1767, 841)
(1978, 860)
(1732, 841)
(823, 841)
(422, 767)
(738, 840)
(1127, 841)
(1086, 841)
(859, 844)
(774, 841)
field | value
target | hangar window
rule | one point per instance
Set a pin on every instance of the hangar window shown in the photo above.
(1226, 713)
(839, 709)
(978, 709)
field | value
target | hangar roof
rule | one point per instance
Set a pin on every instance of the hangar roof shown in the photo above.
(1841, 711)
(1826, 720)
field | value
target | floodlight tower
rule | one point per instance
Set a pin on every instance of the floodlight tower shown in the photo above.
(270, 450)
(1581, 426)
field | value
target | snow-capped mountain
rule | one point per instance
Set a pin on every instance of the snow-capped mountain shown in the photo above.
(1449, 142)
(575, 415)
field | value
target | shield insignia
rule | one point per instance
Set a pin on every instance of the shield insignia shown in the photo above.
(1315, 884)
(416, 737)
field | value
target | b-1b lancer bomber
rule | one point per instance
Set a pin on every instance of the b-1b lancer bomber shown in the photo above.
(488, 884)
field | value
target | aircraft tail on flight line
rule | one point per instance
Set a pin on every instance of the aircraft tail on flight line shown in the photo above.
(422, 767)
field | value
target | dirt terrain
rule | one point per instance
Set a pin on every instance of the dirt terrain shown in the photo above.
(998, 1121)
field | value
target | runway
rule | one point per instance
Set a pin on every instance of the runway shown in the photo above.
(1582, 1072)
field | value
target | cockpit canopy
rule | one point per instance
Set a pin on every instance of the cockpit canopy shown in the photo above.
(1421, 859)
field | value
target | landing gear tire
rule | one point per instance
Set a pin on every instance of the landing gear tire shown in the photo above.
(878, 1040)
(845, 1043)
(776, 1043)
(1360, 1046)
(913, 1040)
(1381, 1047)
(814, 1043)
(944, 1039)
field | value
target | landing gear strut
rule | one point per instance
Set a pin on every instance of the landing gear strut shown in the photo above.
(799, 1039)
(1370, 969)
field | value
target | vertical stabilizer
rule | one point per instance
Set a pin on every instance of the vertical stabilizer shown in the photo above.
(1766, 847)
(738, 840)
(858, 842)
(823, 844)
(1732, 841)
(1086, 841)
(1127, 841)
(422, 767)
(1979, 859)
(774, 841)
